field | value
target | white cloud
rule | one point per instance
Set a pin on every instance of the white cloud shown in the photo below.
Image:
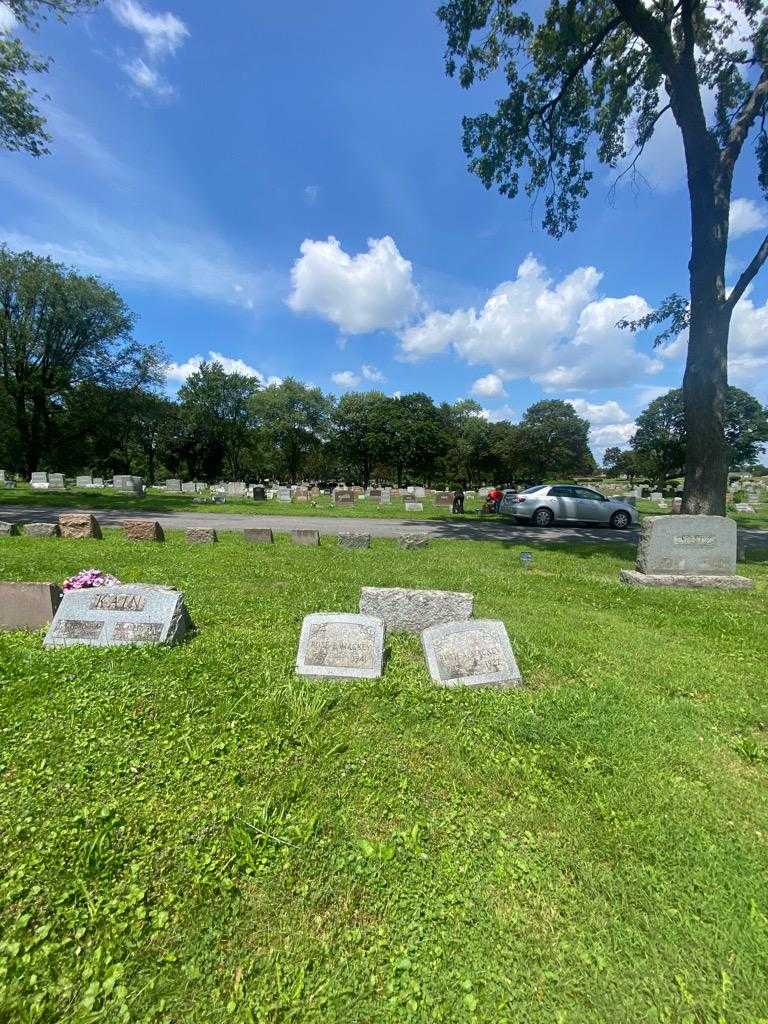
(502, 412)
(181, 371)
(490, 386)
(345, 379)
(7, 18)
(600, 413)
(746, 216)
(162, 34)
(370, 291)
(148, 79)
(558, 334)
(372, 374)
(611, 435)
(311, 194)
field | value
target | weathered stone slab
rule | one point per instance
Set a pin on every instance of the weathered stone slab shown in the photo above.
(343, 497)
(189, 487)
(84, 481)
(413, 541)
(56, 481)
(642, 579)
(283, 494)
(341, 646)
(128, 614)
(356, 541)
(474, 653)
(259, 493)
(444, 499)
(143, 529)
(687, 545)
(412, 611)
(98, 481)
(202, 535)
(173, 485)
(41, 530)
(28, 605)
(258, 535)
(310, 538)
(9, 529)
(413, 506)
(419, 492)
(79, 526)
(127, 484)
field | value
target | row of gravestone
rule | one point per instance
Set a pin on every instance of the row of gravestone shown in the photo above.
(124, 483)
(459, 650)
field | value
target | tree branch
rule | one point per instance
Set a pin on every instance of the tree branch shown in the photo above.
(650, 30)
(748, 275)
(741, 126)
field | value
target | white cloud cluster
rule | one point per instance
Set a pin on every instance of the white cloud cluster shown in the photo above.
(745, 217)
(489, 386)
(561, 335)
(610, 424)
(181, 371)
(349, 379)
(367, 292)
(501, 412)
(7, 18)
(161, 35)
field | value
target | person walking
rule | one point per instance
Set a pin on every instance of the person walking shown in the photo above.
(458, 501)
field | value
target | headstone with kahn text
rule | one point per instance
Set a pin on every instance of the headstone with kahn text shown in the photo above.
(115, 616)
(687, 551)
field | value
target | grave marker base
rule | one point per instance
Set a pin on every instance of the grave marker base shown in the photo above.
(641, 579)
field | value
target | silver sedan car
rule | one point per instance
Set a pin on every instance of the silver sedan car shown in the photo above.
(569, 503)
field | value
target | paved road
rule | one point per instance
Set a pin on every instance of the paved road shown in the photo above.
(464, 529)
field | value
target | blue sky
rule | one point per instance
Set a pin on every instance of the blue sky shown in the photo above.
(284, 186)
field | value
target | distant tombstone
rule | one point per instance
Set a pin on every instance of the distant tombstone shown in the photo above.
(259, 493)
(83, 481)
(355, 541)
(9, 530)
(413, 541)
(471, 653)
(419, 492)
(413, 506)
(656, 495)
(444, 499)
(314, 492)
(189, 487)
(341, 646)
(258, 535)
(127, 484)
(39, 481)
(270, 494)
(386, 497)
(483, 492)
(56, 481)
(40, 530)
(309, 538)
(28, 605)
(687, 551)
(343, 497)
(201, 535)
(173, 485)
(9, 483)
(2, 476)
(677, 506)
(413, 611)
(219, 498)
(98, 481)
(360, 497)
(126, 614)
(375, 494)
(143, 529)
(301, 494)
(743, 506)
(79, 526)
(283, 494)
(410, 490)
(236, 489)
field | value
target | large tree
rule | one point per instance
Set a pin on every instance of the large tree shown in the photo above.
(294, 421)
(581, 78)
(22, 126)
(661, 440)
(361, 423)
(553, 441)
(58, 329)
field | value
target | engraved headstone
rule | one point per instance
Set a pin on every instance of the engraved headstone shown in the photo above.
(343, 497)
(98, 481)
(84, 481)
(419, 492)
(41, 530)
(126, 614)
(309, 538)
(413, 611)
(413, 506)
(173, 485)
(189, 487)
(201, 535)
(28, 605)
(39, 481)
(656, 495)
(301, 494)
(355, 541)
(259, 493)
(341, 646)
(686, 551)
(444, 499)
(283, 494)
(258, 535)
(413, 541)
(127, 484)
(79, 526)
(473, 653)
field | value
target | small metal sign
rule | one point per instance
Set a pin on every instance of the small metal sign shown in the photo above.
(526, 558)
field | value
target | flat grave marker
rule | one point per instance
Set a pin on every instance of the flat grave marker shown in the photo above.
(39, 530)
(341, 646)
(309, 538)
(354, 541)
(79, 526)
(115, 616)
(413, 541)
(472, 653)
(201, 535)
(143, 529)
(413, 506)
(258, 535)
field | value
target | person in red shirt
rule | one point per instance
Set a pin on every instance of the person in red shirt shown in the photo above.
(496, 495)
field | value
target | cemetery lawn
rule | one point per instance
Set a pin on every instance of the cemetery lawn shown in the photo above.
(193, 834)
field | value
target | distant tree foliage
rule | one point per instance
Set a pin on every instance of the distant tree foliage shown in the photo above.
(22, 126)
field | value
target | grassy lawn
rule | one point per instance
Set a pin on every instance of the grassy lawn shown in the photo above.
(755, 520)
(193, 834)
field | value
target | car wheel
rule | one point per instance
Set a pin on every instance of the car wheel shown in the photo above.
(620, 520)
(543, 517)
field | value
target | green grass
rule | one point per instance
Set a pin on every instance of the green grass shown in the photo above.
(158, 501)
(193, 834)
(754, 520)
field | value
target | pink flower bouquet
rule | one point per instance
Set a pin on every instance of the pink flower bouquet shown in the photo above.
(88, 578)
